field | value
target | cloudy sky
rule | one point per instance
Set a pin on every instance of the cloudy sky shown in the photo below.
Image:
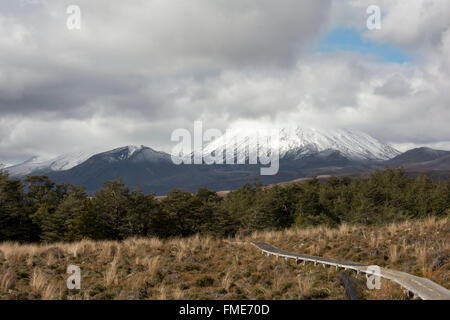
(138, 69)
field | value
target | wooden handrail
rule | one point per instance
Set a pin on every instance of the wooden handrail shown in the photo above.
(421, 287)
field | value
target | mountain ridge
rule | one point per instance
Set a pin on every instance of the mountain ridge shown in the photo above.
(298, 142)
(154, 172)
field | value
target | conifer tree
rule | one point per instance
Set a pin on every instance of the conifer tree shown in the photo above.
(15, 222)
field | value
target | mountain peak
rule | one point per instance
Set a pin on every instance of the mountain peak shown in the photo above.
(297, 142)
(418, 155)
(38, 165)
(45, 165)
(123, 153)
(133, 153)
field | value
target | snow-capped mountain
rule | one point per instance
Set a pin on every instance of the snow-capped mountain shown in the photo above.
(304, 152)
(134, 154)
(39, 164)
(71, 160)
(298, 142)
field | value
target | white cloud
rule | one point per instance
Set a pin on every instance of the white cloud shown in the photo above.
(413, 24)
(136, 71)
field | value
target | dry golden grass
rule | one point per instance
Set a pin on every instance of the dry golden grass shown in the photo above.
(38, 281)
(111, 276)
(8, 280)
(305, 284)
(394, 253)
(204, 268)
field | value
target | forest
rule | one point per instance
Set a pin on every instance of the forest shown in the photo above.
(38, 210)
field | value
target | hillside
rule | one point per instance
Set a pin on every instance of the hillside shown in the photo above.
(204, 268)
(154, 172)
(422, 158)
(304, 152)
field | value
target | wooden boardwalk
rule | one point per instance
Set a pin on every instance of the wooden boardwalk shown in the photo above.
(421, 287)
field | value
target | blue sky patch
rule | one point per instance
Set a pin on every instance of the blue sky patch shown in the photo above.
(342, 39)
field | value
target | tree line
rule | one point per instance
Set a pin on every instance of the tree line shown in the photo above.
(37, 209)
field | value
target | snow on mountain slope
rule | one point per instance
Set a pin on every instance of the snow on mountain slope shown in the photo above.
(298, 142)
(34, 164)
(120, 154)
(134, 153)
(295, 142)
(68, 161)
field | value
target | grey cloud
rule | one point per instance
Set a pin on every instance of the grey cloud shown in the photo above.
(123, 48)
(138, 70)
(396, 86)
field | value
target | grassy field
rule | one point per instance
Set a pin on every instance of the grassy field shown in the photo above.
(205, 268)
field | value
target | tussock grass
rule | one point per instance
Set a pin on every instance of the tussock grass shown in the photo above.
(202, 267)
